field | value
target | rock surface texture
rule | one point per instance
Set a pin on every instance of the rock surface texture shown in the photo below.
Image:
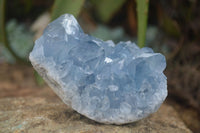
(40, 115)
(113, 84)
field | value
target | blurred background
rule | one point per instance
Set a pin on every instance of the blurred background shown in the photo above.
(173, 29)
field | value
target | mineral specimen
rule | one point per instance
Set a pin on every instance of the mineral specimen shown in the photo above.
(108, 83)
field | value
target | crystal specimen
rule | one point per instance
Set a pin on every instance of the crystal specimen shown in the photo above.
(112, 84)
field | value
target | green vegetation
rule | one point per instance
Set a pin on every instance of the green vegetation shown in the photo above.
(105, 12)
(66, 6)
(4, 38)
(16, 49)
(142, 16)
(106, 8)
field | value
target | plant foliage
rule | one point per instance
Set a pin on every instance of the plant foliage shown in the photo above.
(66, 6)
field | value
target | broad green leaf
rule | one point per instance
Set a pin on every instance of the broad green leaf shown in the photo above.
(142, 15)
(106, 8)
(20, 42)
(66, 6)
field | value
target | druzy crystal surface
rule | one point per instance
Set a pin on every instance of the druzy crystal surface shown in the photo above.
(113, 84)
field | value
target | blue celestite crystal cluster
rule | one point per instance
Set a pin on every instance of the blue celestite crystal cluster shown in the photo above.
(113, 84)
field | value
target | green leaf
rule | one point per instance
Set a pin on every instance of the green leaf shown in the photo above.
(142, 15)
(20, 40)
(106, 8)
(66, 6)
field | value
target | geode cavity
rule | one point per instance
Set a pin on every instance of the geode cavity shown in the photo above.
(108, 83)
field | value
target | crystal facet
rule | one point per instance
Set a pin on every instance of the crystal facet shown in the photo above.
(113, 84)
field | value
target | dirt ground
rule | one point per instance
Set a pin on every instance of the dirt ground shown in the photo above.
(19, 81)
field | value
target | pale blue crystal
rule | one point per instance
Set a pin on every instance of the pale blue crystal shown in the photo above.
(108, 83)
